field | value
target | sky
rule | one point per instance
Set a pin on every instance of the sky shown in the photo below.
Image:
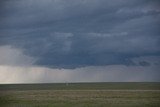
(49, 41)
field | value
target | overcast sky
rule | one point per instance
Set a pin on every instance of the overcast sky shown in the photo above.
(79, 41)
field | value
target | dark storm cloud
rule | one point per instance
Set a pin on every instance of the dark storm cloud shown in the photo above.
(70, 34)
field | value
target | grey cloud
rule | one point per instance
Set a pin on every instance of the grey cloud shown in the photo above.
(122, 42)
(37, 13)
(71, 34)
(147, 60)
(143, 63)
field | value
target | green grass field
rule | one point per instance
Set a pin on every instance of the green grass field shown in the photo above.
(81, 95)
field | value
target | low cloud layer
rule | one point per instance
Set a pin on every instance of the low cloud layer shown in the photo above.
(16, 67)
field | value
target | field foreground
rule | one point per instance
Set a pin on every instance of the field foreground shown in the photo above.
(81, 95)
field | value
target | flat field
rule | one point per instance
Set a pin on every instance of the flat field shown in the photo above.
(80, 95)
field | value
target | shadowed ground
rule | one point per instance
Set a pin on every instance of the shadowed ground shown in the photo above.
(81, 95)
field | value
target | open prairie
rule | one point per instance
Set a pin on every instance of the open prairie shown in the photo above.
(80, 95)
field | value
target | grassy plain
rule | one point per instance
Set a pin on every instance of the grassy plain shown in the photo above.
(80, 95)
